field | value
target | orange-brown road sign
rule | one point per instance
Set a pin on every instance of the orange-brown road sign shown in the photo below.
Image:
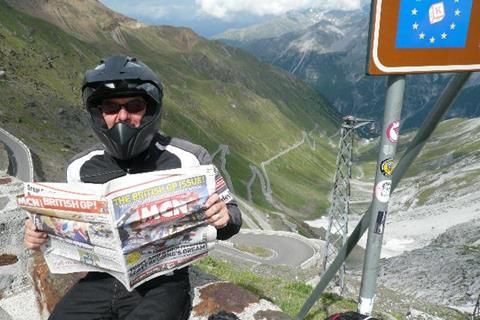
(421, 36)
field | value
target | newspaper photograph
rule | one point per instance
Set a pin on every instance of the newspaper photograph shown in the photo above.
(100, 234)
(135, 227)
(156, 211)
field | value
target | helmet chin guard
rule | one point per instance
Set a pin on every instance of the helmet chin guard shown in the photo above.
(118, 77)
(121, 141)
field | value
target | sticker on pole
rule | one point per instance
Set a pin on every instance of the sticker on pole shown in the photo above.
(392, 131)
(380, 222)
(382, 191)
(386, 167)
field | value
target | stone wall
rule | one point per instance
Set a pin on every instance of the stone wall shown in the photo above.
(17, 298)
(3, 159)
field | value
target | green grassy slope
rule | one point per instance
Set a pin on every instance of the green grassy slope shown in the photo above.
(447, 167)
(40, 97)
(215, 94)
(307, 186)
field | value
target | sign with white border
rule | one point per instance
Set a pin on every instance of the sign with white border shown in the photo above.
(398, 28)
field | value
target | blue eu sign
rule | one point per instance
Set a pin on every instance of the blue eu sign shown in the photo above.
(433, 23)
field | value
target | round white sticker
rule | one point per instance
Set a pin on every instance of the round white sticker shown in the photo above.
(382, 190)
(392, 131)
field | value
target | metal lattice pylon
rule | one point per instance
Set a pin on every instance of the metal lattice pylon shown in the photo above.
(337, 231)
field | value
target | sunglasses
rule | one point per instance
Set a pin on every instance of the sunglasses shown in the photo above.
(132, 106)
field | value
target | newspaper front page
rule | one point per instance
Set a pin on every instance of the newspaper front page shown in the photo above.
(135, 228)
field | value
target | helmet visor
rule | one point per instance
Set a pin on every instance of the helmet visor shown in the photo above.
(95, 95)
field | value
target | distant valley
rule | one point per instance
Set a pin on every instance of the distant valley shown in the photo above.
(327, 49)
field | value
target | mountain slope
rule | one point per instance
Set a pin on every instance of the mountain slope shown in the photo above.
(330, 55)
(453, 282)
(215, 94)
(88, 20)
(275, 27)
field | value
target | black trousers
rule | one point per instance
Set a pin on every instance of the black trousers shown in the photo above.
(99, 296)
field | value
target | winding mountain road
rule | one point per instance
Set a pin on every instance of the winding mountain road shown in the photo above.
(287, 248)
(257, 220)
(20, 156)
(224, 150)
(263, 184)
(263, 176)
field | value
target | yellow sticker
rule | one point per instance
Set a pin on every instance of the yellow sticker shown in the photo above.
(387, 167)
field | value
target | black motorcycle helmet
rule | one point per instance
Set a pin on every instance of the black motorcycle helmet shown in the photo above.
(116, 77)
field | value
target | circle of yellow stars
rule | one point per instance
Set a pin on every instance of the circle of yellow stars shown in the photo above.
(444, 35)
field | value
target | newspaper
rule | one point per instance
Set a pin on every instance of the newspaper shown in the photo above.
(135, 228)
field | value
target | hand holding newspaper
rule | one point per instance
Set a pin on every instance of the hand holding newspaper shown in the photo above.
(135, 228)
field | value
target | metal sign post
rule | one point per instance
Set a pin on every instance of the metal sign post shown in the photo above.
(383, 182)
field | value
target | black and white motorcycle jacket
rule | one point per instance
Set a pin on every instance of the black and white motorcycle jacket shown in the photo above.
(94, 165)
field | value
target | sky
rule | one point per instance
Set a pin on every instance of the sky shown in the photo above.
(210, 17)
